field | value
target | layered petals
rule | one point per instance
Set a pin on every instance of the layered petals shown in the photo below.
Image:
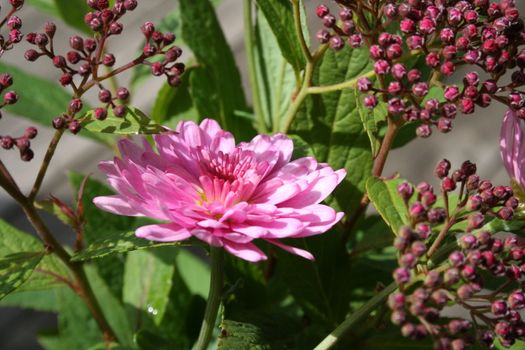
(204, 185)
(512, 147)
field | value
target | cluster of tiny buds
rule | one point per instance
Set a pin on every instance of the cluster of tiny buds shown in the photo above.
(14, 23)
(447, 34)
(22, 142)
(417, 307)
(334, 32)
(88, 54)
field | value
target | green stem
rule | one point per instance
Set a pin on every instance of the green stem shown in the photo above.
(252, 72)
(356, 317)
(340, 86)
(214, 299)
(299, 29)
(45, 164)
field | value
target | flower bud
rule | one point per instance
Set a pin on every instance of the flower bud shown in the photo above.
(401, 275)
(119, 111)
(506, 213)
(122, 93)
(59, 123)
(104, 96)
(59, 61)
(31, 55)
(31, 132)
(75, 105)
(73, 57)
(447, 184)
(76, 42)
(7, 142)
(405, 190)
(442, 168)
(100, 113)
(423, 131)
(147, 29)
(10, 98)
(74, 126)
(417, 211)
(516, 300)
(50, 29)
(396, 301)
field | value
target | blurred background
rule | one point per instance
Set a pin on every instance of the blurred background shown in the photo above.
(474, 137)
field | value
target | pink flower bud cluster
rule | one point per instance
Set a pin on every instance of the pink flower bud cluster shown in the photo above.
(81, 65)
(335, 33)
(14, 23)
(22, 143)
(446, 34)
(418, 306)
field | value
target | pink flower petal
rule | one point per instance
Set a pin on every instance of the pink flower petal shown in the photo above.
(301, 252)
(248, 251)
(208, 237)
(163, 232)
(116, 205)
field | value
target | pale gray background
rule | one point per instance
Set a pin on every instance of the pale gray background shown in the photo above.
(473, 137)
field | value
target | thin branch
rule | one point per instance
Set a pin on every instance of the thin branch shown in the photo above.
(45, 164)
(296, 4)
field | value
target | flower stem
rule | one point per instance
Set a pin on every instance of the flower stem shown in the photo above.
(45, 164)
(214, 299)
(250, 59)
(296, 5)
(356, 317)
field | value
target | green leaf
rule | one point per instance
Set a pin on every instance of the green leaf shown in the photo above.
(15, 269)
(14, 241)
(241, 335)
(72, 12)
(194, 272)
(77, 328)
(301, 148)
(20, 253)
(275, 75)
(118, 243)
(217, 69)
(388, 202)
(50, 341)
(331, 124)
(111, 307)
(47, 6)
(42, 279)
(147, 285)
(132, 123)
(174, 104)
(35, 95)
(279, 14)
(181, 323)
(321, 287)
(371, 120)
(54, 209)
(45, 300)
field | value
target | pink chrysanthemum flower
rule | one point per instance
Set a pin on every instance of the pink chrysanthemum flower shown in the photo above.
(203, 185)
(512, 147)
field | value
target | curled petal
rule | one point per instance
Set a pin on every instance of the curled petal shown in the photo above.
(163, 232)
(246, 251)
(116, 205)
(294, 250)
